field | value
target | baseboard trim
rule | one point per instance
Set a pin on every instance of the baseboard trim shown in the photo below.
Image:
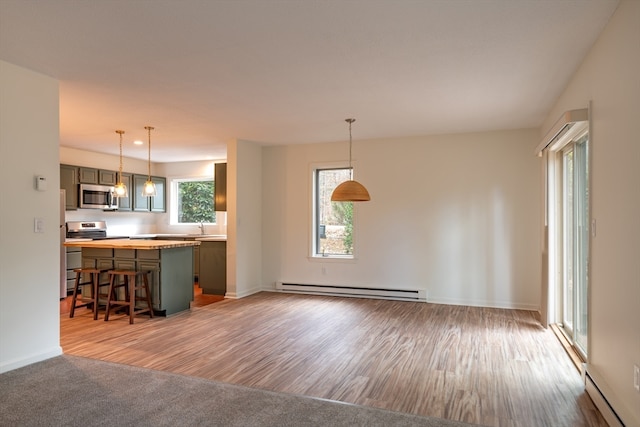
(238, 295)
(34, 358)
(597, 391)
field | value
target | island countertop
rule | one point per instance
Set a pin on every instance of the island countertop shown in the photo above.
(133, 244)
(171, 236)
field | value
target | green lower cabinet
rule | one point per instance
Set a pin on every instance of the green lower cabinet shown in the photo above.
(154, 282)
(86, 289)
(212, 274)
(122, 264)
(171, 278)
(196, 263)
(96, 260)
(175, 278)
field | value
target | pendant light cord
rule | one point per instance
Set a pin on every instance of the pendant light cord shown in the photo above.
(350, 143)
(149, 128)
(120, 169)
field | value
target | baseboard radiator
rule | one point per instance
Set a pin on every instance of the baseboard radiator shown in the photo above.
(352, 291)
(601, 401)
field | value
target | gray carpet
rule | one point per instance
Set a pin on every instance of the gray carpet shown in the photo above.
(74, 391)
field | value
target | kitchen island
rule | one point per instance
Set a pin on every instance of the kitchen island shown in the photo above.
(170, 263)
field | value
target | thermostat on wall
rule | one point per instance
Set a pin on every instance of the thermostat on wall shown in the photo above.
(41, 183)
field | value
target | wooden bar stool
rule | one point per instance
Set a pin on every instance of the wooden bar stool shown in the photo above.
(85, 300)
(129, 283)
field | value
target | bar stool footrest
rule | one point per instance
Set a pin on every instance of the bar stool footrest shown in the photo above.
(130, 287)
(80, 300)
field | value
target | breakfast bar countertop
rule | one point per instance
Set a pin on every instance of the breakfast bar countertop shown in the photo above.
(185, 236)
(133, 244)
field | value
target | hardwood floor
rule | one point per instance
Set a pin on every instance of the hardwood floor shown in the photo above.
(486, 366)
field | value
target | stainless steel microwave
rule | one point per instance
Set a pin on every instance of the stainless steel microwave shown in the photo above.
(93, 196)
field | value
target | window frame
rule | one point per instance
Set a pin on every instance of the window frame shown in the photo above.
(314, 227)
(173, 206)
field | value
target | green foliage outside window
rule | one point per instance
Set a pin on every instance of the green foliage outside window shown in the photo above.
(333, 220)
(195, 202)
(344, 211)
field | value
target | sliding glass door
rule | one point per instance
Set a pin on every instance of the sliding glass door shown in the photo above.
(567, 241)
(574, 241)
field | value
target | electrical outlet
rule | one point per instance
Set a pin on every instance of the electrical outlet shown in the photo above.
(636, 378)
(324, 270)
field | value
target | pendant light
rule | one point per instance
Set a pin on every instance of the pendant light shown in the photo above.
(120, 189)
(350, 191)
(149, 189)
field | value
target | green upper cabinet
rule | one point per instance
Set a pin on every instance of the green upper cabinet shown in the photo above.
(145, 204)
(87, 175)
(69, 183)
(220, 198)
(106, 177)
(140, 203)
(124, 203)
(71, 176)
(97, 176)
(158, 203)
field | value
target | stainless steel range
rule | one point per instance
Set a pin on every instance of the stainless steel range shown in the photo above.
(88, 230)
(95, 230)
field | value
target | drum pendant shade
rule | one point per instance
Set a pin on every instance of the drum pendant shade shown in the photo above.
(351, 190)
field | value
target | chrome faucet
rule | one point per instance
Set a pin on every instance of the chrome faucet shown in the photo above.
(201, 227)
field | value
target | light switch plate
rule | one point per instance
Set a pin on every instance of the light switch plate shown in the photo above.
(38, 225)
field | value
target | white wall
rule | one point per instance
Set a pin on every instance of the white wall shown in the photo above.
(29, 262)
(244, 216)
(249, 218)
(610, 78)
(457, 215)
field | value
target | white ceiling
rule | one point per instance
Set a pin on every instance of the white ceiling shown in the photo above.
(290, 71)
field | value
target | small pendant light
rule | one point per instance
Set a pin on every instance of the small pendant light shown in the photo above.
(350, 191)
(149, 189)
(120, 189)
